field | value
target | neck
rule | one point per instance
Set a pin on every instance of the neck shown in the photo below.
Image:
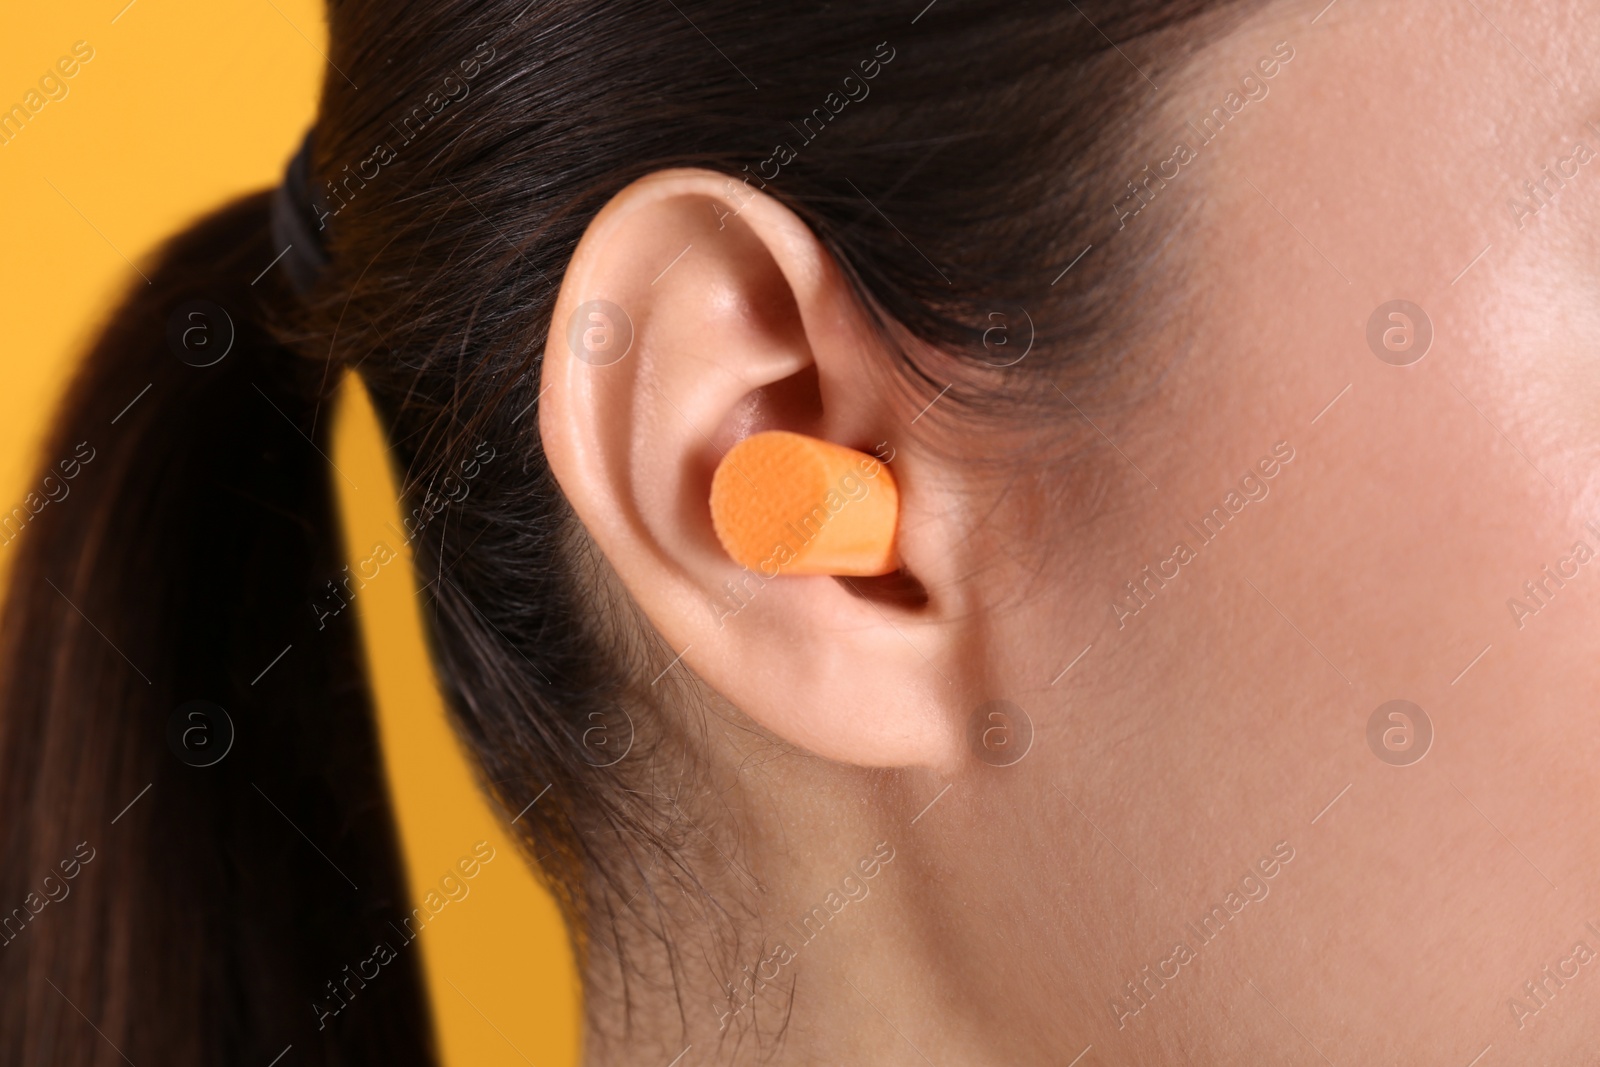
(812, 943)
(774, 968)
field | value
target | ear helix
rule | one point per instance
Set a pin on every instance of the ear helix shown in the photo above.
(786, 503)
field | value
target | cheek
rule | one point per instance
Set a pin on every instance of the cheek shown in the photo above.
(1545, 349)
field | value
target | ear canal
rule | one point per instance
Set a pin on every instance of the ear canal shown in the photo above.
(786, 503)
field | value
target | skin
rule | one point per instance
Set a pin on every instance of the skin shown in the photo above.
(1223, 726)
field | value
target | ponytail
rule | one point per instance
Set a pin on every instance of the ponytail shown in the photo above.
(197, 853)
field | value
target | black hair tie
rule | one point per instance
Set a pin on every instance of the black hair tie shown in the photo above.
(295, 227)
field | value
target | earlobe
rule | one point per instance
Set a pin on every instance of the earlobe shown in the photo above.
(738, 322)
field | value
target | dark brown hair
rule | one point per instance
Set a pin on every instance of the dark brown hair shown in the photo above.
(460, 150)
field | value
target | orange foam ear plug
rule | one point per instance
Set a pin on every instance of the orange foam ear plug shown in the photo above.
(791, 504)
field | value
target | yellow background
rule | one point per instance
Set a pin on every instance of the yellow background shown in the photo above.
(186, 104)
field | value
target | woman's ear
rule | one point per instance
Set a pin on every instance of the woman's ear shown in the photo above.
(697, 311)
